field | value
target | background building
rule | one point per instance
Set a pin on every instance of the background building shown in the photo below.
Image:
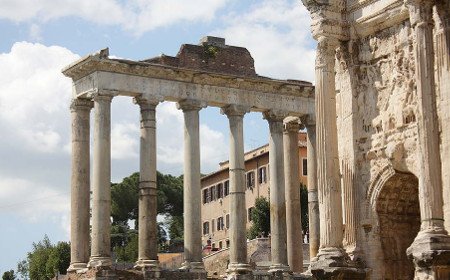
(215, 192)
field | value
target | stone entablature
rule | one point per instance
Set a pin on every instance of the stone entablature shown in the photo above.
(98, 74)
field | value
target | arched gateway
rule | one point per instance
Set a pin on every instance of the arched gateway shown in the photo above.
(398, 211)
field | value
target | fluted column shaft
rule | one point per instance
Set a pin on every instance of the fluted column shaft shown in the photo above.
(328, 179)
(148, 240)
(430, 186)
(101, 185)
(80, 184)
(442, 39)
(238, 239)
(192, 187)
(431, 247)
(313, 203)
(277, 193)
(294, 238)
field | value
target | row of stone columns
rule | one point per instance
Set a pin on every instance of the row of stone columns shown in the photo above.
(284, 236)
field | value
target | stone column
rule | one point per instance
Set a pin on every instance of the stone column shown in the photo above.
(148, 228)
(442, 39)
(191, 187)
(277, 192)
(331, 252)
(432, 245)
(293, 210)
(313, 203)
(101, 185)
(238, 240)
(80, 185)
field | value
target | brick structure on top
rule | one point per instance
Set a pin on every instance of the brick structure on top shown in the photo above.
(211, 55)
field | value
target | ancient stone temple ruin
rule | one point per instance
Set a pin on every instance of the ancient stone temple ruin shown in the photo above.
(209, 74)
(381, 113)
(383, 138)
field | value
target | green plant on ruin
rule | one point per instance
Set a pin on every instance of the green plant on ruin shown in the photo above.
(211, 51)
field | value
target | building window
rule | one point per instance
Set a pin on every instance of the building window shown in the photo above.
(219, 223)
(304, 167)
(206, 196)
(250, 179)
(220, 244)
(250, 210)
(262, 175)
(212, 225)
(228, 243)
(220, 190)
(226, 188)
(212, 191)
(206, 228)
(227, 220)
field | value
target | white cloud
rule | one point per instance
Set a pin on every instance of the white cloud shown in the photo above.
(124, 140)
(213, 146)
(34, 96)
(137, 16)
(277, 34)
(32, 200)
(35, 32)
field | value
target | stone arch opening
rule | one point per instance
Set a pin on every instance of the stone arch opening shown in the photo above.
(398, 211)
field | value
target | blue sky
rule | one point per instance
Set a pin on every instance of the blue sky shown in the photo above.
(39, 38)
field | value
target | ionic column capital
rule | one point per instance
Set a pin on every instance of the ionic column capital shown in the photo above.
(292, 126)
(326, 52)
(275, 115)
(81, 104)
(234, 110)
(148, 103)
(102, 98)
(420, 12)
(191, 105)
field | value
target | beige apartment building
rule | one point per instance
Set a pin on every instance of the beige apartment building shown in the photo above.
(215, 192)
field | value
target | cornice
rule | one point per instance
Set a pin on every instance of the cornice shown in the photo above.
(97, 62)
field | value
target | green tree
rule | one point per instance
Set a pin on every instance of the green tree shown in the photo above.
(260, 218)
(45, 260)
(124, 199)
(59, 259)
(37, 259)
(9, 275)
(22, 269)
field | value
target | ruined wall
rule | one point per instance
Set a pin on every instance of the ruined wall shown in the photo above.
(376, 107)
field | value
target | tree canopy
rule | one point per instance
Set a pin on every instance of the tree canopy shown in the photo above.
(9, 275)
(261, 215)
(45, 260)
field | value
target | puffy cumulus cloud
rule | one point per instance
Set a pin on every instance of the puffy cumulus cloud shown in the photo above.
(124, 140)
(138, 16)
(213, 146)
(34, 96)
(33, 201)
(277, 34)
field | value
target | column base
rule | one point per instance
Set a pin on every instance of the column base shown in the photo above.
(77, 267)
(100, 262)
(239, 271)
(197, 267)
(334, 263)
(430, 253)
(278, 267)
(148, 266)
